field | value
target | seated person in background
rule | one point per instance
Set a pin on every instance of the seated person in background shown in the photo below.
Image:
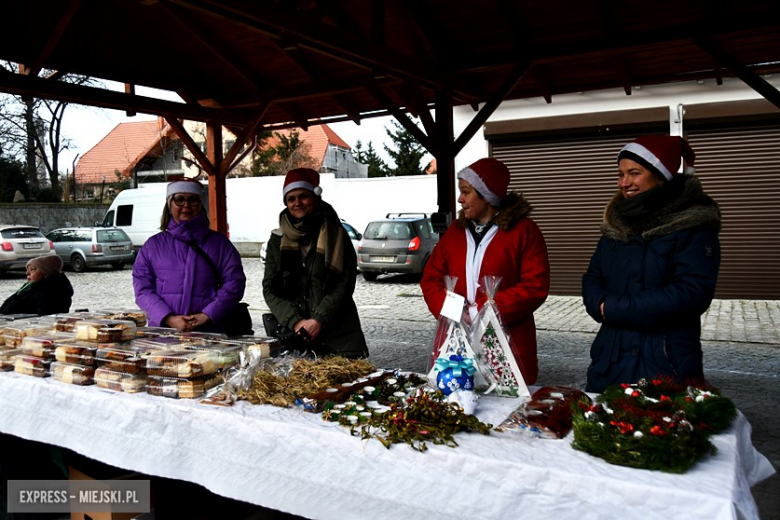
(47, 290)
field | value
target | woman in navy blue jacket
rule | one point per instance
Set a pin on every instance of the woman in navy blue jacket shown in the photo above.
(654, 270)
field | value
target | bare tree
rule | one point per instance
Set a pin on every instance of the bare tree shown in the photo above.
(32, 129)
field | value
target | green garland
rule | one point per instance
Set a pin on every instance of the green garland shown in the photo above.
(657, 425)
(423, 417)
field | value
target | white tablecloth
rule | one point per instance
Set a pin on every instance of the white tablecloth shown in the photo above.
(293, 461)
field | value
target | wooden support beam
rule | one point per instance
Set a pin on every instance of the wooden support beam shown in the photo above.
(130, 90)
(752, 79)
(217, 188)
(445, 156)
(403, 119)
(491, 105)
(246, 135)
(54, 37)
(192, 146)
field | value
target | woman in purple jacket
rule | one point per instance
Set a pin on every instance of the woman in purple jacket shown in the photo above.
(174, 281)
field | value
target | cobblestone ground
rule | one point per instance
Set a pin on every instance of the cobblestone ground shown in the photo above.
(741, 343)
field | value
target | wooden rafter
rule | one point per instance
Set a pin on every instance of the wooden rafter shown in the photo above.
(321, 39)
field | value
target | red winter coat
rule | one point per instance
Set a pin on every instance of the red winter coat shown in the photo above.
(517, 254)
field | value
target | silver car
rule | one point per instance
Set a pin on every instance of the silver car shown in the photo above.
(84, 247)
(19, 244)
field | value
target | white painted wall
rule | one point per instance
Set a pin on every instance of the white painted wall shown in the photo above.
(670, 95)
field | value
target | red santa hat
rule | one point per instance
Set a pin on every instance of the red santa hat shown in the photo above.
(305, 178)
(490, 177)
(662, 154)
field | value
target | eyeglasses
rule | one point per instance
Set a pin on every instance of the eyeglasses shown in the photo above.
(192, 201)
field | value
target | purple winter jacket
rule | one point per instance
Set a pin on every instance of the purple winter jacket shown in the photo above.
(169, 277)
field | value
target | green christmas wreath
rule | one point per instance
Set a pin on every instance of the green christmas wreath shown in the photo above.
(653, 424)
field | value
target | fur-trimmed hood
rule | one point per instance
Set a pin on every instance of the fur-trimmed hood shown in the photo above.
(691, 209)
(515, 207)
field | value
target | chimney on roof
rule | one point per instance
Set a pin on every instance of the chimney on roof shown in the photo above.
(160, 122)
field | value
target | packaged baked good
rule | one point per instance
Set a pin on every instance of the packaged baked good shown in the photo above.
(136, 316)
(257, 347)
(225, 354)
(7, 359)
(180, 388)
(32, 365)
(16, 331)
(66, 322)
(124, 358)
(105, 330)
(153, 332)
(72, 374)
(41, 345)
(76, 351)
(168, 342)
(120, 381)
(548, 414)
(182, 363)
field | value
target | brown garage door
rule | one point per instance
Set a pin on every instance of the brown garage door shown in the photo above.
(568, 183)
(740, 169)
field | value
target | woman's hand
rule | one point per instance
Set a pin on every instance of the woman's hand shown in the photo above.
(186, 323)
(310, 325)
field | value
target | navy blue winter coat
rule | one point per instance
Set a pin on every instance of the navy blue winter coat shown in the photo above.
(656, 276)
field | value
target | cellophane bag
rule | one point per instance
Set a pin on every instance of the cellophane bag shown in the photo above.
(492, 346)
(452, 340)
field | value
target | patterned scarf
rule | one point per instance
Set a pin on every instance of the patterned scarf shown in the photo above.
(324, 224)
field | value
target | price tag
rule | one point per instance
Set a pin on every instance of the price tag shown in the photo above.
(453, 306)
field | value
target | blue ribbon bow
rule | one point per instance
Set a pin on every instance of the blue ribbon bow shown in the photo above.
(458, 365)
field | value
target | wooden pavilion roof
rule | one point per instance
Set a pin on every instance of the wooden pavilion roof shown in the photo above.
(288, 63)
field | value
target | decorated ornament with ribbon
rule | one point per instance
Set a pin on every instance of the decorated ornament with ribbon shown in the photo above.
(455, 373)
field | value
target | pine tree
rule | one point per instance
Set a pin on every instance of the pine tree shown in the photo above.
(376, 166)
(406, 153)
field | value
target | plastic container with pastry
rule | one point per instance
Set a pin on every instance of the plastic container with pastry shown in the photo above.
(124, 358)
(182, 363)
(153, 332)
(15, 332)
(76, 351)
(180, 388)
(42, 345)
(226, 355)
(258, 347)
(136, 316)
(7, 359)
(66, 322)
(547, 414)
(72, 374)
(105, 330)
(120, 381)
(32, 365)
(168, 342)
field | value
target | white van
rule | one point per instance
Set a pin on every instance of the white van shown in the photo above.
(138, 212)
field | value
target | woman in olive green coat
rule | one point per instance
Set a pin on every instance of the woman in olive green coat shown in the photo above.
(310, 270)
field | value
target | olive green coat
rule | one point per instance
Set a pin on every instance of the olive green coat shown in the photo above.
(328, 297)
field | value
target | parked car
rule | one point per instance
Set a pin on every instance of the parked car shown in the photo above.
(19, 244)
(84, 247)
(354, 237)
(399, 243)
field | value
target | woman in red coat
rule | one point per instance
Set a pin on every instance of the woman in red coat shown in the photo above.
(493, 236)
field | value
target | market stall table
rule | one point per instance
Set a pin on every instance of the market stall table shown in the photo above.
(293, 461)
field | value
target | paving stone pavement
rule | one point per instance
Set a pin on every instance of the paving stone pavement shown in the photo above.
(740, 338)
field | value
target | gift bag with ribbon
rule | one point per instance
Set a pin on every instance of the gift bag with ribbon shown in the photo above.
(492, 346)
(453, 366)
